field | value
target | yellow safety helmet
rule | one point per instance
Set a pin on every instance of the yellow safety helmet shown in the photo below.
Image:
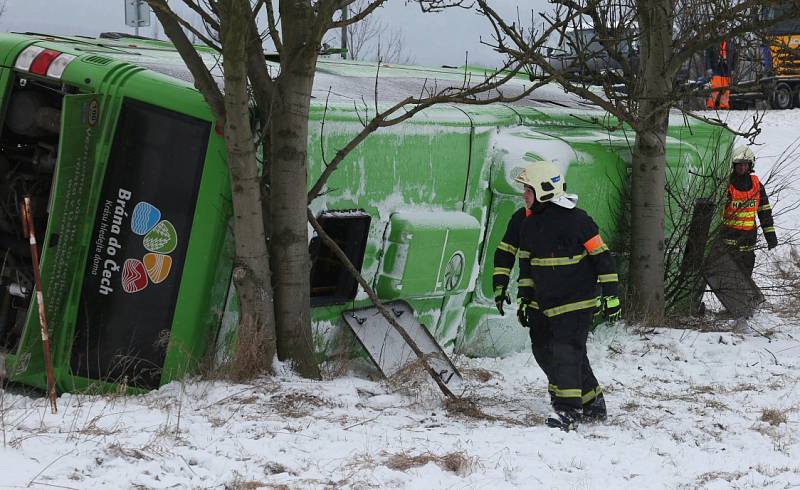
(545, 178)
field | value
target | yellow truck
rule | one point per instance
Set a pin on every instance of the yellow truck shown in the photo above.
(781, 59)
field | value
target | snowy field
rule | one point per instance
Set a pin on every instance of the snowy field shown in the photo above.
(696, 407)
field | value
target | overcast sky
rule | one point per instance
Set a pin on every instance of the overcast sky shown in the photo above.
(430, 39)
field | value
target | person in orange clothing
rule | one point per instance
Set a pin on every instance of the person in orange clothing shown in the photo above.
(719, 62)
(747, 199)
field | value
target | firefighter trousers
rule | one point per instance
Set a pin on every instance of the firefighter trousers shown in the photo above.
(541, 339)
(559, 347)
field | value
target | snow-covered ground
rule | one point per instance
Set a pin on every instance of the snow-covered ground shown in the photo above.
(696, 407)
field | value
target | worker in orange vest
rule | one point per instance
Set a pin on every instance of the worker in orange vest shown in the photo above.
(746, 199)
(719, 62)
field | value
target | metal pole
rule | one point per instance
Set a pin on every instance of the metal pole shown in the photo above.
(138, 16)
(27, 225)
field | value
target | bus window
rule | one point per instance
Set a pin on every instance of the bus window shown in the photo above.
(331, 283)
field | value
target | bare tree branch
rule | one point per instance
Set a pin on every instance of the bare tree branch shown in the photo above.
(272, 27)
(205, 16)
(378, 304)
(203, 79)
(358, 16)
(257, 70)
(449, 95)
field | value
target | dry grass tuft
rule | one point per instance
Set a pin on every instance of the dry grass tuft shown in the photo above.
(273, 468)
(697, 389)
(344, 347)
(772, 471)
(615, 349)
(249, 359)
(480, 374)
(459, 462)
(630, 406)
(411, 375)
(253, 485)
(728, 476)
(465, 407)
(297, 404)
(125, 453)
(774, 417)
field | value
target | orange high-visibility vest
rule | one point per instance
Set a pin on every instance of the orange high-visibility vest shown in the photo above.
(740, 212)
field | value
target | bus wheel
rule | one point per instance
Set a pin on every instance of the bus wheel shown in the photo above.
(782, 96)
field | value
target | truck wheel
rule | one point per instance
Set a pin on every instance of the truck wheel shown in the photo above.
(782, 96)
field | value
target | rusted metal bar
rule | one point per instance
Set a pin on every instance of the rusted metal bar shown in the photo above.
(30, 234)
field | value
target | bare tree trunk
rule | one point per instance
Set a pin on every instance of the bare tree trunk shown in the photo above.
(649, 162)
(289, 180)
(257, 346)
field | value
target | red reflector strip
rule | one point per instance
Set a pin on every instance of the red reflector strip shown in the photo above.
(42, 61)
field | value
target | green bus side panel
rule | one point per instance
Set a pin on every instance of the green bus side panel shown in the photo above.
(428, 254)
(204, 285)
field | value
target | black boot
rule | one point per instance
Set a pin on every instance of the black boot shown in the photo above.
(595, 410)
(565, 419)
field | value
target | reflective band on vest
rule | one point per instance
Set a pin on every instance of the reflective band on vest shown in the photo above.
(595, 245)
(740, 212)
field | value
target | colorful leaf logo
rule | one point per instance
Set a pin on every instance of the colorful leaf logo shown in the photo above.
(158, 266)
(145, 217)
(162, 239)
(134, 277)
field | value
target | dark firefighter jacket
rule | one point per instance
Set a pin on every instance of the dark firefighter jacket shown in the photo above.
(567, 259)
(506, 251)
(746, 199)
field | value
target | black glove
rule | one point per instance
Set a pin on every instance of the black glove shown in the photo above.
(611, 308)
(500, 297)
(772, 241)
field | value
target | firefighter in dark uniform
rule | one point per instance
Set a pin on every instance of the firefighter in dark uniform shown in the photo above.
(746, 199)
(504, 257)
(573, 274)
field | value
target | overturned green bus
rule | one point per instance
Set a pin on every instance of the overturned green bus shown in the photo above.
(126, 169)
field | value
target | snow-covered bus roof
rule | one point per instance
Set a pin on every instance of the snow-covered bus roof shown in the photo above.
(337, 80)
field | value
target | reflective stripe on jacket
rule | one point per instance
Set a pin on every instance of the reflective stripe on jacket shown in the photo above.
(569, 262)
(507, 249)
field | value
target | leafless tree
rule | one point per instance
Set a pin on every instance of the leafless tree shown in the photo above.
(281, 102)
(373, 39)
(638, 90)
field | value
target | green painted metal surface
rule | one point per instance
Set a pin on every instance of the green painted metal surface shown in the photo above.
(439, 190)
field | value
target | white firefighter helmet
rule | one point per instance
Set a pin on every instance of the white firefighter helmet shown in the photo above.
(743, 154)
(545, 178)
